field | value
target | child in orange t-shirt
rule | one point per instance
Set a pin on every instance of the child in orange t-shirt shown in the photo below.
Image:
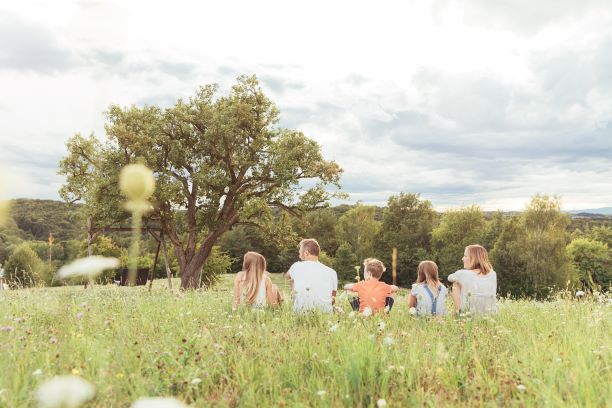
(374, 295)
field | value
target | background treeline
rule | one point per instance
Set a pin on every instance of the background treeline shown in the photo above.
(534, 251)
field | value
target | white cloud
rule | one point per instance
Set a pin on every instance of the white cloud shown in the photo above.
(463, 101)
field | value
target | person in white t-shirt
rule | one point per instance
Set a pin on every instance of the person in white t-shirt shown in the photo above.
(475, 286)
(314, 284)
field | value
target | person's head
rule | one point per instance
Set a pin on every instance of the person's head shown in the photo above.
(476, 257)
(373, 268)
(254, 266)
(309, 249)
(427, 272)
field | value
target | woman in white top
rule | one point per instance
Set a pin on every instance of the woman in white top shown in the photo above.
(475, 286)
(253, 286)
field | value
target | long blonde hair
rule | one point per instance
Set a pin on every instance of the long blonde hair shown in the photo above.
(478, 259)
(254, 266)
(427, 272)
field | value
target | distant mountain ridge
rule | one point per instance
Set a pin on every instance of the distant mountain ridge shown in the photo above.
(600, 211)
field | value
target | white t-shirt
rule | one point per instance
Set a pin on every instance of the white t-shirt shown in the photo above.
(477, 291)
(313, 284)
(424, 303)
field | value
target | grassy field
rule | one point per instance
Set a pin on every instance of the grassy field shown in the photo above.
(130, 343)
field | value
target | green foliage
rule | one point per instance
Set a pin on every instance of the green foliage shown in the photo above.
(321, 224)
(23, 268)
(221, 159)
(592, 262)
(457, 229)
(217, 264)
(358, 228)
(529, 256)
(345, 262)
(326, 259)
(406, 225)
(37, 218)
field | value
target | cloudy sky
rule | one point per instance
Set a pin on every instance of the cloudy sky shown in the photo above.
(477, 101)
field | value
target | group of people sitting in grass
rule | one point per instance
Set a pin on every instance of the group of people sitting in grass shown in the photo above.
(314, 285)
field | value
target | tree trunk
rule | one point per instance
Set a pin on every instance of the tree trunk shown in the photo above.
(191, 276)
(168, 271)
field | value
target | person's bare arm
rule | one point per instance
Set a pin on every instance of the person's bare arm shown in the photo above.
(348, 286)
(333, 297)
(237, 280)
(272, 293)
(412, 301)
(394, 289)
(456, 294)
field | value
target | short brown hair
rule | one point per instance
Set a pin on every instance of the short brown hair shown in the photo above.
(311, 245)
(374, 267)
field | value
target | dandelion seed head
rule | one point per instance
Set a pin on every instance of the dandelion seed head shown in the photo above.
(412, 311)
(381, 403)
(90, 266)
(136, 182)
(196, 381)
(158, 402)
(388, 341)
(579, 293)
(67, 391)
(321, 393)
(521, 388)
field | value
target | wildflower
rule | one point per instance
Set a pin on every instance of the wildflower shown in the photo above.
(80, 315)
(321, 393)
(521, 388)
(75, 371)
(579, 294)
(412, 311)
(439, 370)
(64, 391)
(367, 311)
(196, 381)
(6, 328)
(158, 402)
(351, 315)
(136, 182)
(90, 266)
(333, 328)
(388, 341)
(381, 325)
(381, 403)
(37, 372)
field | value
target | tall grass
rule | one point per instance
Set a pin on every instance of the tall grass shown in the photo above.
(130, 342)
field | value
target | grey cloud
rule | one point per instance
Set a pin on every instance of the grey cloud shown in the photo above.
(280, 85)
(26, 46)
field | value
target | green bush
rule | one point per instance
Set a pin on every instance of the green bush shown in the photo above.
(23, 268)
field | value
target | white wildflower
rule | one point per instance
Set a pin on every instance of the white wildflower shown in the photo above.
(90, 266)
(367, 311)
(196, 381)
(333, 328)
(381, 325)
(381, 403)
(67, 391)
(388, 341)
(521, 388)
(321, 393)
(412, 311)
(579, 293)
(37, 372)
(158, 402)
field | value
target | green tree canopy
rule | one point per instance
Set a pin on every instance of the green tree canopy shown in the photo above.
(359, 229)
(591, 261)
(218, 162)
(406, 225)
(23, 268)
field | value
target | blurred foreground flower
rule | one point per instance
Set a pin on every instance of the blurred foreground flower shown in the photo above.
(66, 391)
(4, 211)
(579, 293)
(136, 182)
(381, 403)
(412, 311)
(90, 266)
(158, 402)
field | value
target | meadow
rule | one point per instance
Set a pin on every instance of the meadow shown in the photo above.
(132, 342)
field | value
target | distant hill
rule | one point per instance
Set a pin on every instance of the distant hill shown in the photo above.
(596, 211)
(37, 218)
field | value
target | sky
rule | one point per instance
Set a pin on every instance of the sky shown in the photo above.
(465, 102)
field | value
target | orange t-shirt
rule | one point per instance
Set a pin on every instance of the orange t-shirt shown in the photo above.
(372, 293)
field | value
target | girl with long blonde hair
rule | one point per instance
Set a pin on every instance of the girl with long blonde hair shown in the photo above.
(428, 294)
(475, 286)
(253, 286)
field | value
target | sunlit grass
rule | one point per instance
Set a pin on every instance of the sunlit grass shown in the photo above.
(132, 343)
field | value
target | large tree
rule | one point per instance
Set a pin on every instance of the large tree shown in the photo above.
(218, 162)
